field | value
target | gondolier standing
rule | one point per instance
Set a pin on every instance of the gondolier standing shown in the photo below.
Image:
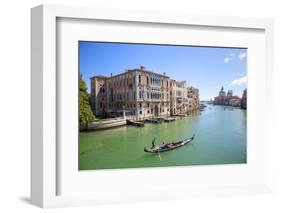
(153, 143)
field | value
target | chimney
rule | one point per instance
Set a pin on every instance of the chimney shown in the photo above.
(164, 73)
(110, 74)
(142, 68)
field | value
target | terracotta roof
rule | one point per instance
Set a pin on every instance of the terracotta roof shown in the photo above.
(148, 71)
(131, 70)
(99, 76)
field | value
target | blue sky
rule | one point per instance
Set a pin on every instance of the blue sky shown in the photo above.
(206, 68)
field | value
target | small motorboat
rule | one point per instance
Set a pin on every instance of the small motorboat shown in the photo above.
(168, 146)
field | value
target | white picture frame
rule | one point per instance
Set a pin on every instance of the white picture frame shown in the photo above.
(44, 135)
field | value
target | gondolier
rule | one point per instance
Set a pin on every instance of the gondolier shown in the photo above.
(153, 143)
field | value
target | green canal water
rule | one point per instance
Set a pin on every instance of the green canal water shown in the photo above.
(220, 138)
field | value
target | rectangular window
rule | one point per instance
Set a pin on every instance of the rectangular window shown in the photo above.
(111, 94)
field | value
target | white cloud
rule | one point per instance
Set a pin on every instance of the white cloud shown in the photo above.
(240, 81)
(226, 60)
(229, 57)
(242, 55)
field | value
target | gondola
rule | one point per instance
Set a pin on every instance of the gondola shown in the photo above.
(168, 146)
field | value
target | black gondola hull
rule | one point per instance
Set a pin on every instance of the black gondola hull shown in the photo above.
(167, 148)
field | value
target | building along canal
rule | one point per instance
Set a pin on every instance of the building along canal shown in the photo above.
(220, 138)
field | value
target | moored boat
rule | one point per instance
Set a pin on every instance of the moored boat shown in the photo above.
(168, 146)
(154, 120)
(106, 124)
(135, 123)
(169, 119)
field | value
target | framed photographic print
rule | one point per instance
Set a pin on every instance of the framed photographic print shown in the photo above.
(148, 105)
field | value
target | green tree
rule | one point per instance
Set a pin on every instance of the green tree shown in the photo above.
(85, 112)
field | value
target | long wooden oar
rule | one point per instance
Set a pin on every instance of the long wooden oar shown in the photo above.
(159, 155)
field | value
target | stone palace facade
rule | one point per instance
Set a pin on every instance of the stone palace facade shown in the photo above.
(142, 94)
